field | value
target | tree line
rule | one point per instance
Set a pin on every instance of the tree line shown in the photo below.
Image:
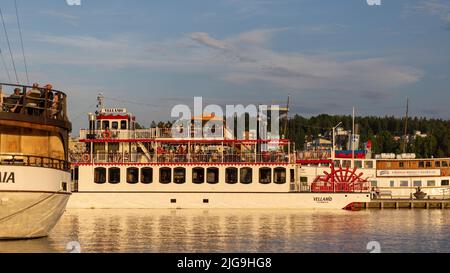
(386, 133)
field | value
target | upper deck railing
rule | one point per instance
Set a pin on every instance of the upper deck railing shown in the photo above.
(34, 161)
(192, 158)
(154, 133)
(43, 102)
(125, 134)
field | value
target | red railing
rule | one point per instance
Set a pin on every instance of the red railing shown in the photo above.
(180, 158)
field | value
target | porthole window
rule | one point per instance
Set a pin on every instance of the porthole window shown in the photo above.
(114, 175)
(179, 175)
(198, 175)
(100, 175)
(246, 175)
(231, 175)
(146, 175)
(265, 175)
(165, 175)
(212, 175)
(132, 175)
(279, 176)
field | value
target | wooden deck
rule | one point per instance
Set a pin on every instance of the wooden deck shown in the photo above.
(408, 204)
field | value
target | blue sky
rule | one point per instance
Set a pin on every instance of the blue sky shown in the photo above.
(328, 55)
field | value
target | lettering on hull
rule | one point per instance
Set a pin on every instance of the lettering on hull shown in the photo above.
(7, 177)
(323, 199)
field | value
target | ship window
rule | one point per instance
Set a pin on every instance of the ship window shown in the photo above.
(114, 175)
(231, 175)
(444, 183)
(401, 164)
(105, 124)
(428, 164)
(123, 125)
(246, 175)
(404, 183)
(392, 183)
(179, 175)
(99, 125)
(417, 183)
(212, 175)
(115, 125)
(444, 164)
(437, 164)
(421, 164)
(265, 175)
(100, 175)
(337, 163)
(146, 175)
(165, 175)
(198, 175)
(75, 174)
(132, 175)
(279, 176)
(358, 164)
(292, 175)
(346, 164)
(303, 179)
(431, 183)
(368, 164)
(374, 183)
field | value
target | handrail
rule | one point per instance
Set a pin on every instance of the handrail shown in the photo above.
(45, 102)
(34, 161)
(280, 158)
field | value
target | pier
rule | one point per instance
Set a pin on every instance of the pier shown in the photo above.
(407, 204)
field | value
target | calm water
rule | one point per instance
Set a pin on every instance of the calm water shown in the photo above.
(244, 231)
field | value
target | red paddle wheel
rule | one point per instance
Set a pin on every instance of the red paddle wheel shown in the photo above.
(340, 180)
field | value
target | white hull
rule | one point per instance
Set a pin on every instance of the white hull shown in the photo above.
(31, 203)
(216, 200)
(28, 215)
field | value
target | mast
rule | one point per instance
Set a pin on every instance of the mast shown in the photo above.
(353, 134)
(100, 99)
(287, 117)
(405, 136)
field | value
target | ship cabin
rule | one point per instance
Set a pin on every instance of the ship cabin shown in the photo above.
(116, 156)
(34, 126)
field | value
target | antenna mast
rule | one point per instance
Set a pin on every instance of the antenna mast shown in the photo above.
(405, 136)
(287, 117)
(99, 102)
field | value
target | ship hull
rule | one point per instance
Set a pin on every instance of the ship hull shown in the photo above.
(213, 200)
(27, 215)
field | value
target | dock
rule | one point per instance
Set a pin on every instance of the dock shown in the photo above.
(407, 204)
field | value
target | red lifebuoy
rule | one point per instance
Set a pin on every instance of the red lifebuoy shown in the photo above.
(106, 134)
(86, 158)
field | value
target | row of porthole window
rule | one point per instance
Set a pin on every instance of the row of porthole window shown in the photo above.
(198, 175)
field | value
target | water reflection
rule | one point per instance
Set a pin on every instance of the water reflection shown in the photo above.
(243, 231)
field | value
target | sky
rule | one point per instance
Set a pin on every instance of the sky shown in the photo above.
(149, 56)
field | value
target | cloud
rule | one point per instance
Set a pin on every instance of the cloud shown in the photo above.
(432, 7)
(243, 59)
(207, 40)
(60, 15)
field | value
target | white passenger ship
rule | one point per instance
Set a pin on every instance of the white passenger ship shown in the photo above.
(115, 165)
(34, 171)
(390, 177)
